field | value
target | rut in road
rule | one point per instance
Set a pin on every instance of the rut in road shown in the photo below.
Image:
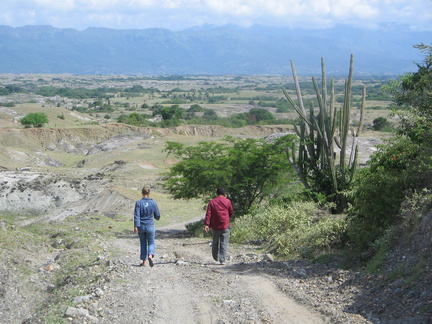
(187, 286)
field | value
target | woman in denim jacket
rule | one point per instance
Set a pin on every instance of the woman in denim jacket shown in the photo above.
(146, 210)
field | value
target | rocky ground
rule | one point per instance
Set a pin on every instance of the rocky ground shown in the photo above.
(187, 286)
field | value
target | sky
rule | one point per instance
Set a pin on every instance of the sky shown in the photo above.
(177, 15)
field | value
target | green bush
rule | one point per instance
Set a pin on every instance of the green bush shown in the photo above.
(297, 229)
(380, 123)
(412, 210)
(34, 119)
(376, 200)
(196, 229)
(8, 104)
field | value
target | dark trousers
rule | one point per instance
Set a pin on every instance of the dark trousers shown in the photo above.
(220, 244)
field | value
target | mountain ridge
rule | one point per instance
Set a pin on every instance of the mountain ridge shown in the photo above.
(207, 50)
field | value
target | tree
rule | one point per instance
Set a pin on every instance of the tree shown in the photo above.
(195, 108)
(413, 94)
(135, 89)
(380, 123)
(34, 120)
(134, 119)
(248, 168)
(210, 114)
(401, 167)
(259, 114)
(415, 89)
(173, 112)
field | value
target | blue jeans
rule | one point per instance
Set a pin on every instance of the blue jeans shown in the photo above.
(147, 240)
(220, 244)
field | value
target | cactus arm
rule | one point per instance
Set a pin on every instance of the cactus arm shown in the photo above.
(324, 82)
(301, 112)
(360, 127)
(297, 85)
(333, 112)
(320, 103)
(353, 166)
(345, 123)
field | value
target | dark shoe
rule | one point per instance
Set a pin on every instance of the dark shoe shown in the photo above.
(150, 260)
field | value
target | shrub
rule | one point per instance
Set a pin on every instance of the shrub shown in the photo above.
(34, 119)
(414, 207)
(195, 108)
(375, 204)
(380, 123)
(8, 104)
(297, 229)
(196, 229)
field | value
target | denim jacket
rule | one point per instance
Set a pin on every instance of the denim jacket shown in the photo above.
(145, 210)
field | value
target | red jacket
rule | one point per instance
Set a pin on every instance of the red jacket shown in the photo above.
(219, 211)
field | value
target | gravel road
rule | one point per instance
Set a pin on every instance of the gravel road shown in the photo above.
(187, 286)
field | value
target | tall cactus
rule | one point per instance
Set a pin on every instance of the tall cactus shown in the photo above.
(316, 160)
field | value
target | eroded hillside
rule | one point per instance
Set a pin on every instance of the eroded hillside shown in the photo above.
(61, 172)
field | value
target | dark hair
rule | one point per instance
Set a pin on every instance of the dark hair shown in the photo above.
(221, 191)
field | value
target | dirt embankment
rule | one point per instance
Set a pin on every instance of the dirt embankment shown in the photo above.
(41, 147)
(38, 146)
(69, 140)
(55, 138)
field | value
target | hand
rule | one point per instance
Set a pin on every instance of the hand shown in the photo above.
(135, 229)
(206, 229)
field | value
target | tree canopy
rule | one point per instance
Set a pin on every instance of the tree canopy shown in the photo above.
(34, 120)
(173, 112)
(248, 168)
(415, 88)
(259, 114)
(401, 167)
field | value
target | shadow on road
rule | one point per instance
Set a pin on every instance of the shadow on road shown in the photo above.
(160, 234)
(171, 233)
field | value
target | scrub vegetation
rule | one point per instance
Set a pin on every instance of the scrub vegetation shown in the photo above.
(366, 202)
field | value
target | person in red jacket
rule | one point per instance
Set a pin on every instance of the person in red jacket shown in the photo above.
(219, 212)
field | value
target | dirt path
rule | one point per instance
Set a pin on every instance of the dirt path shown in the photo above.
(187, 286)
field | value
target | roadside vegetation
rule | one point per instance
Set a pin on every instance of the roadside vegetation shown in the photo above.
(357, 213)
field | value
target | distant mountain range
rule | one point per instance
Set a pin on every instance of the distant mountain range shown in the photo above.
(209, 50)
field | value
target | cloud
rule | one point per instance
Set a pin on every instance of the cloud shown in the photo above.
(61, 5)
(353, 9)
(180, 14)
